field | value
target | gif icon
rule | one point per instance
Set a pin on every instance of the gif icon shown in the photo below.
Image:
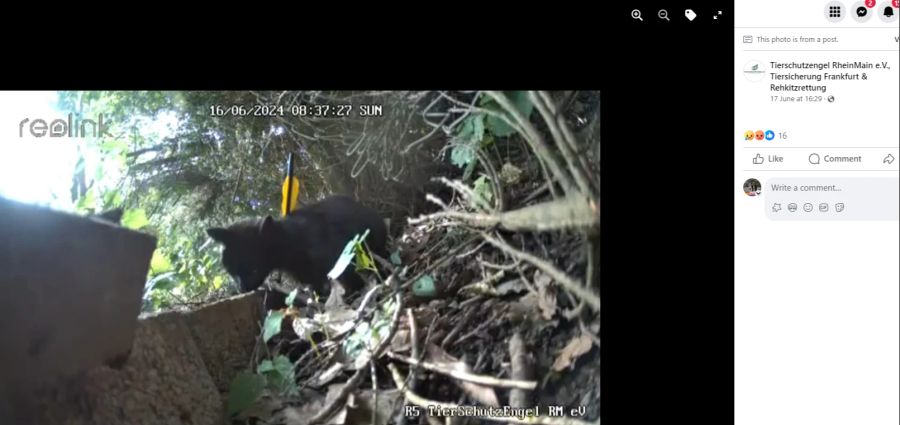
(411, 411)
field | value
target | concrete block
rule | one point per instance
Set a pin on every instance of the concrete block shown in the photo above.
(70, 295)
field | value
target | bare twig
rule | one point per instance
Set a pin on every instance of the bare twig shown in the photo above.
(560, 277)
(329, 409)
(465, 376)
(486, 285)
(354, 381)
(450, 336)
(520, 369)
(567, 151)
(495, 181)
(537, 192)
(569, 139)
(565, 213)
(426, 403)
(506, 267)
(536, 141)
(413, 343)
(449, 257)
(374, 391)
(471, 251)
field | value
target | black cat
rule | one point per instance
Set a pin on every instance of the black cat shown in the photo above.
(306, 244)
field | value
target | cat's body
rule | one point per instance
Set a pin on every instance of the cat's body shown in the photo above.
(306, 244)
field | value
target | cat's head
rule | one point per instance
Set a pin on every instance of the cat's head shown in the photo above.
(246, 255)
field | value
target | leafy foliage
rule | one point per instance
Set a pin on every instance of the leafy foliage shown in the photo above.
(279, 374)
(424, 287)
(483, 188)
(272, 324)
(479, 129)
(245, 389)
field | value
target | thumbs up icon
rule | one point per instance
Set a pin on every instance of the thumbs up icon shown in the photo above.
(758, 159)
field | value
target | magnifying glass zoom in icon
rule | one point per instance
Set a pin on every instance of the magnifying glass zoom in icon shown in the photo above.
(663, 14)
(636, 14)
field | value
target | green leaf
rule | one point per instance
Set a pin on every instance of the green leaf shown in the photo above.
(159, 263)
(520, 101)
(135, 219)
(162, 282)
(279, 374)
(112, 198)
(467, 140)
(363, 260)
(265, 366)
(245, 390)
(113, 146)
(217, 282)
(424, 287)
(467, 174)
(87, 202)
(395, 258)
(477, 127)
(462, 154)
(346, 256)
(291, 297)
(483, 188)
(273, 324)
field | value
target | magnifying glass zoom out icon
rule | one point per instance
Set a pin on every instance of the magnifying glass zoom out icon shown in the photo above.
(636, 14)
(663, 14)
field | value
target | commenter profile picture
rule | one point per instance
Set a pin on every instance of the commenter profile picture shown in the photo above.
(752, 187)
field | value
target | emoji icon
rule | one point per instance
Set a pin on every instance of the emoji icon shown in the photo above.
(770, 134)
(838, 207)
(748, 135)
(807, 207)
(792, 207)
(760, 135)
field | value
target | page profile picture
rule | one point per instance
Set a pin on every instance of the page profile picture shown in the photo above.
(755, 71)
(752, 187)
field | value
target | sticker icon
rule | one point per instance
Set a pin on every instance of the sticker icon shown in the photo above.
(760, 135)
(839, 207)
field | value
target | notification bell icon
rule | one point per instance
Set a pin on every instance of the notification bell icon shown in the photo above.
(888, 11)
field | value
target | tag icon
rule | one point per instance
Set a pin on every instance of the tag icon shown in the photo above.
(689, 14)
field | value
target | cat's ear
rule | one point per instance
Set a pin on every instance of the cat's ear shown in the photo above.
(219, 234)
(267, 226)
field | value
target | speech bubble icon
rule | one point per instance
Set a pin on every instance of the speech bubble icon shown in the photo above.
(814, 158)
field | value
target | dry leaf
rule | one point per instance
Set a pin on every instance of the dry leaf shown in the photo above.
(480, 393)
(335, 298)
(361, 410)
(329, 374)
(546, 294)
(577, 347)
(334, 322)
(400, 342)
(515, 286)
